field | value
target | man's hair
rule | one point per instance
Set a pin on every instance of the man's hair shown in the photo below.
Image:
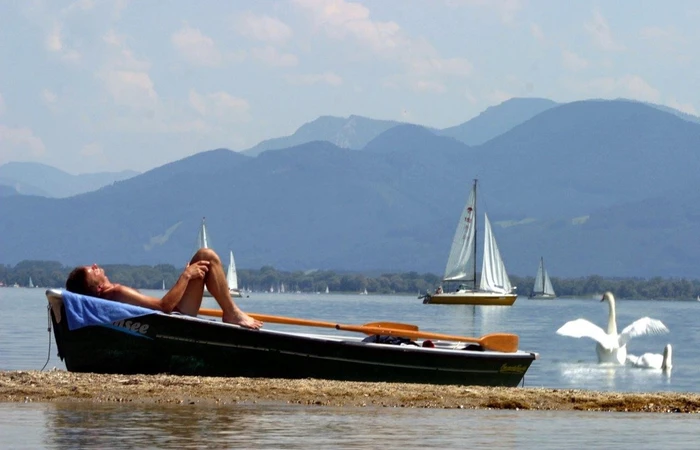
(77, 282)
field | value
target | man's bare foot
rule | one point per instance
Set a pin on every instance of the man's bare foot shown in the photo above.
(243, 319)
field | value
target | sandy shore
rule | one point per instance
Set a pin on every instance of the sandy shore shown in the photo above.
(58, 385)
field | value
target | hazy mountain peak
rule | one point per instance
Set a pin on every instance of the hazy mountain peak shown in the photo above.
(31, 178)
(353, 132)
(496, 120)
(412, 138)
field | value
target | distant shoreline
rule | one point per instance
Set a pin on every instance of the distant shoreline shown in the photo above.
(63, 386)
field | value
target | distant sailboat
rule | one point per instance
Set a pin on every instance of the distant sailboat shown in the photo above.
(31, 285)
(232, 277)
(495, 287)
(163, 287)
(203, 236)
(543, 285)
(327, 290)
(203, 242)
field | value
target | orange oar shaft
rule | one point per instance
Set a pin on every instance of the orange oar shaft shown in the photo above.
(307, 322)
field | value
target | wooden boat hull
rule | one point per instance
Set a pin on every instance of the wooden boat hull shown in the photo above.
(470, 298)
(184, 345)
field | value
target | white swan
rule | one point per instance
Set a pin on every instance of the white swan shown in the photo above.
(611, 347)
(652, 360)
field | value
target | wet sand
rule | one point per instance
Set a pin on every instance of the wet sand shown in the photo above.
(61, 386)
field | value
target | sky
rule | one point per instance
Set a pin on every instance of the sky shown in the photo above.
(109, 85)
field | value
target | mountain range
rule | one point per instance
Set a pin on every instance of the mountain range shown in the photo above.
(595, 187)
(39, 179)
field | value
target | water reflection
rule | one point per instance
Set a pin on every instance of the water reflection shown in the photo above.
(612, 377)
(81, 425)
(90, 425)
(476, 319)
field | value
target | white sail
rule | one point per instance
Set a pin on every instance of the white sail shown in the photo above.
(31, 284)
(203, 241)
(461, 263)
(202, 237)
(548, 288)
(539, 279)
(231, 276)
(494, 277)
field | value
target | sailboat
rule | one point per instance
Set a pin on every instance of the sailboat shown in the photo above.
(31, 285)
(163, 287)
(203, 242)
(543, 285)
(494, 287)
(231, 277)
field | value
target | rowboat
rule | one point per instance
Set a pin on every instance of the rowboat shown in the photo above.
(100, 336)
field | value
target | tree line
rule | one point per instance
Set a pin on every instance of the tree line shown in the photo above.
(52, 274)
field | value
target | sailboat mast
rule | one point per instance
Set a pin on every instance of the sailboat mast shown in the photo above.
(205, 242)
(475, 234)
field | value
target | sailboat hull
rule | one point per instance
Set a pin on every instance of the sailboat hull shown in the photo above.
(470, 298)
(234, 293)
(542, 297)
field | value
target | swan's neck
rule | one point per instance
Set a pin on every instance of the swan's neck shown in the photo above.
(612, 319)
(666, 364)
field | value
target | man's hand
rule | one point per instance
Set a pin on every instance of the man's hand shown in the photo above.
(197, 270)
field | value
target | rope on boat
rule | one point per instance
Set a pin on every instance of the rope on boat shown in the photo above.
(48, 356)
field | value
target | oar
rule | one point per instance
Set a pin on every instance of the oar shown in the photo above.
(500, 342)
(311, 323)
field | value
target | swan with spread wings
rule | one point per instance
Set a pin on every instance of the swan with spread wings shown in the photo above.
(611, 346)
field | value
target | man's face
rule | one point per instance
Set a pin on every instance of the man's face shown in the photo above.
(95, 276)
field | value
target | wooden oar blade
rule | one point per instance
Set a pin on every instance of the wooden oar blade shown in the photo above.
(500, 342)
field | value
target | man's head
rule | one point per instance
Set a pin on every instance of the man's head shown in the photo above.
(86, 280)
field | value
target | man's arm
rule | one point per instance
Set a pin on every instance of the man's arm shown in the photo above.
(170, 300)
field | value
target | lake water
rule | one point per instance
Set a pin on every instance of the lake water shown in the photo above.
(564, 363)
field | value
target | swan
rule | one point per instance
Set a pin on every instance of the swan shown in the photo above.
(611, 347)
(652, 360)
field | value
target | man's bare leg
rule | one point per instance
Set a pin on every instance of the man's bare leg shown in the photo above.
(215, 280)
